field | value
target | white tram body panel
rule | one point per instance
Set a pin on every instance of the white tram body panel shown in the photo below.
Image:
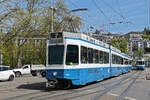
(84, 59)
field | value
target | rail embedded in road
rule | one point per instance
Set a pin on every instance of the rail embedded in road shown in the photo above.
(148, 73)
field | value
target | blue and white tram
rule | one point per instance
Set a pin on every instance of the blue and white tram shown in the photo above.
(140, 64)
(78, 59)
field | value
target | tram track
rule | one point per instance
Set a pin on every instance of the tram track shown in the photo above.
(78, 96)
(53, 94)
(101, 91)
(77, 91)
(124, 93)
(115, 86)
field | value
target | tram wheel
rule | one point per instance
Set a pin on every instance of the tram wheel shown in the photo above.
(66, 84)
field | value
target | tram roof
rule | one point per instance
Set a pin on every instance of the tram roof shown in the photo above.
(90, 39)
(140, 60)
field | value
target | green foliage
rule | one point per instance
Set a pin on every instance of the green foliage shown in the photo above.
(120, 44)
(26, 19)
(141, 52)
(28, 53)
(32, 53)
(146, 36)
(10, 54)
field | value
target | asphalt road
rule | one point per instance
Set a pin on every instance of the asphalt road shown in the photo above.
(129, 86)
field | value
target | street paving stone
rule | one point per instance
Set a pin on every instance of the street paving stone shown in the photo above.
(33, 88)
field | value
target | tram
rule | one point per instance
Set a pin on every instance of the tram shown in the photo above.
(78, 59)
(140, 64)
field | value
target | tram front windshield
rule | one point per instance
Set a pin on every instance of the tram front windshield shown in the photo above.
(140, 63)
(55, 54)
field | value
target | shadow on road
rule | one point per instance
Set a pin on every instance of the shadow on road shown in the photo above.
(34, 86)
(41, 86)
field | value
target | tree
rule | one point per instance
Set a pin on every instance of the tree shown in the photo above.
(29, 18)
(10, 54)
(120, 44)
(140, 53)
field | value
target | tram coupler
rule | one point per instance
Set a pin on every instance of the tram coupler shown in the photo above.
(51, 83)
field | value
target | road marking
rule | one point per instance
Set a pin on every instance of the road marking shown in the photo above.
(129, 98)
(113, 94)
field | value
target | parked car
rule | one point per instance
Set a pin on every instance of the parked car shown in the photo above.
(30, 69)
(6, 73)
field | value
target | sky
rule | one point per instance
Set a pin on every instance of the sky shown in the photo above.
(106, 14)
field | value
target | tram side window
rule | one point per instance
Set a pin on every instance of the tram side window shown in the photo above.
(117, 60)
(101, 54)
(130, 62)
(125, 61)
(83, 55)
(106, 58)
(90, 55)
(72, 57)
(114, 59)
(121, 61)
(95, 56)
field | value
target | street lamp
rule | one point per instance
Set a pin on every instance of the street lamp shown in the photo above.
(71, 17)
(79, 9)
(52, 14)
(72, 11)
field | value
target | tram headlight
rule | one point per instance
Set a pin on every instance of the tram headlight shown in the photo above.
(55, 73)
